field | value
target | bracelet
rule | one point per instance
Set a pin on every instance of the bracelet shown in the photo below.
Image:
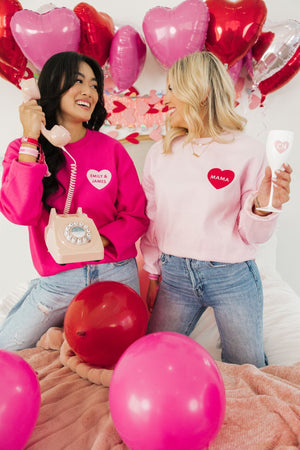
(30, 140)
(153, 276)
(29, 151)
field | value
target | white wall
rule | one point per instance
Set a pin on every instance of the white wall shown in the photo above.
(281, 110)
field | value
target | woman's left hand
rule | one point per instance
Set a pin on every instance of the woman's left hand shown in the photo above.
(281, 192)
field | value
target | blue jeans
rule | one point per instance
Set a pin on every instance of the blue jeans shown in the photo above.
(47, 299)
(234, 291)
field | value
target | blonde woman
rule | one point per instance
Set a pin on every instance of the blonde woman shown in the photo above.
(204, 183)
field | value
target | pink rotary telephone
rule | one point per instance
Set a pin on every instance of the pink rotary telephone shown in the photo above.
(69, 237)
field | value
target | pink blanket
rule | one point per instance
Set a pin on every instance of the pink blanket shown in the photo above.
(262, 405)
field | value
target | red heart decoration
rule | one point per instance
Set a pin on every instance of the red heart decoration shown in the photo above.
(12, 61)
(132, 138)
(152, 110)
(132, 92)
(220, 178)
(234, 27)
(97, 31)
(119, 107)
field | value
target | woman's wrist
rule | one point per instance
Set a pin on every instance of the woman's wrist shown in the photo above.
(28, 153)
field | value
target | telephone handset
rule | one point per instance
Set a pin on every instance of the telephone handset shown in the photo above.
(69, 237)
(58, 135)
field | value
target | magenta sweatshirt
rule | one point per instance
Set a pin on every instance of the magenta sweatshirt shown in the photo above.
(107, 188)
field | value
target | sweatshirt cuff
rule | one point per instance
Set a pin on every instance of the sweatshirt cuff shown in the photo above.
(249, 210)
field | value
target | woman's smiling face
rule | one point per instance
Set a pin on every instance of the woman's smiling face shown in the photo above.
(78, 103)
(176, 108)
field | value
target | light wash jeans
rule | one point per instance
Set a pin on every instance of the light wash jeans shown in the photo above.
(47, 299)
(234, 291)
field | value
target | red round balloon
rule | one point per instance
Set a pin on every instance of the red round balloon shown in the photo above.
(234, 27)
(102, 320)
(97, 31)
(12, 61)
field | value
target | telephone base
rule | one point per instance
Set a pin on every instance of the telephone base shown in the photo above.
(73, 238)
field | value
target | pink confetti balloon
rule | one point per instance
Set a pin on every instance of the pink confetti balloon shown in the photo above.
(173, 33)
(40, 36)
(127, 57)
(20, 400)
(166, 392)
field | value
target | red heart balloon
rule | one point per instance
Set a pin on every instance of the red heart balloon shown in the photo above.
(97, 31)
(12, 61)
(234, 27)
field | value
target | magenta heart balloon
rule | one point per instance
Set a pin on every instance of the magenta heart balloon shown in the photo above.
(173, 33)
(42, 35)
(127, 57)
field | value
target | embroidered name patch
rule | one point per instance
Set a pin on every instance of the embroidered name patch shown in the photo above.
(220, 178)
(99, 179)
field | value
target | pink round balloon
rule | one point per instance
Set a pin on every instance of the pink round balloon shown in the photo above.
(40, 36)
(166, 392)
(20, 400)
(173, 33)
(127, 57)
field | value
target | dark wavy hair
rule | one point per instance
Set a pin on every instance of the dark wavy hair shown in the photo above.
(57, 76)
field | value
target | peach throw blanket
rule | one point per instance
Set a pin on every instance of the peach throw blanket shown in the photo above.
(262, 405)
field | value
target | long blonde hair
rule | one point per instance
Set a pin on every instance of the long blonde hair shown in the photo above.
(202, 82)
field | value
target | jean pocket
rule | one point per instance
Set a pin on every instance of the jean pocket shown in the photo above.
(217, 264)
(164, 258)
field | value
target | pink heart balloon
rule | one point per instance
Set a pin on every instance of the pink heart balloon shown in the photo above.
(127, 57)
(42, 35)
(173, 33)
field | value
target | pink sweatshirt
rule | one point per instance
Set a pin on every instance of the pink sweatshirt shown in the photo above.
(107, 188)
(200, 206)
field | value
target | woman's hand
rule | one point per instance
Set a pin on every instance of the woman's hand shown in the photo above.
(152, 293)
(31, 116)
(281, 193)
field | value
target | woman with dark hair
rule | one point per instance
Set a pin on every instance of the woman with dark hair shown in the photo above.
(36, 179)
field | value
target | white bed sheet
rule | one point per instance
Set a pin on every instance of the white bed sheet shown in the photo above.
(281, 314)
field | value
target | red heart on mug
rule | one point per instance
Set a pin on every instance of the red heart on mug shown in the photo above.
(234, 27)
(97, 31)
(220, 178)
(12, 61)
